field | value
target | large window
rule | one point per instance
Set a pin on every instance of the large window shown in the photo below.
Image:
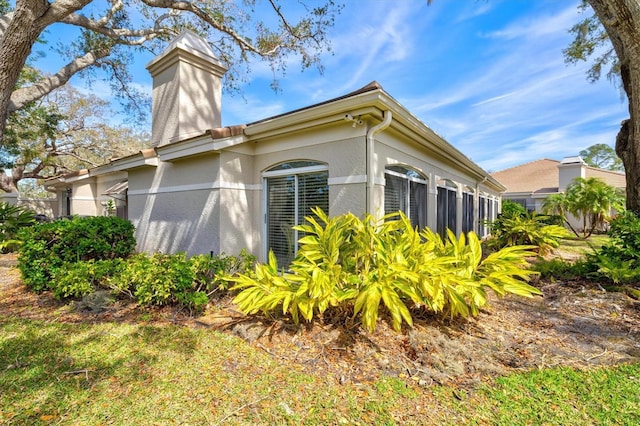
(292, 190)
(406, 191)
(447, 207)
(482, 217)
(467, 210)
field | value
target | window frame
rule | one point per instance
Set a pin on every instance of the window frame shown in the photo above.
(450, 190)
(277, 171)
(408, 176)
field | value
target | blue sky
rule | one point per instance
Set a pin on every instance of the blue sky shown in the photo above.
(488, 76)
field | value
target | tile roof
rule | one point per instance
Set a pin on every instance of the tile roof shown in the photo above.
(530, 177)
(542, 177)
(615, 179)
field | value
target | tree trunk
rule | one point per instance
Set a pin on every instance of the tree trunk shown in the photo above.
(7, 183)
(15, 45)
(19, 31)
(621, 20)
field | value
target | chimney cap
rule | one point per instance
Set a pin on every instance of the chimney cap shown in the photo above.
(192, 43)
(572, 160)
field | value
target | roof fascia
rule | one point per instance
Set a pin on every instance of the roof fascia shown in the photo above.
(140, 159)
(371, 103)
(197, 146)
(67, 179)
(318, 115)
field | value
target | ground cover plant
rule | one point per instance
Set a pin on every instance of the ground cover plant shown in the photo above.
(348, 262)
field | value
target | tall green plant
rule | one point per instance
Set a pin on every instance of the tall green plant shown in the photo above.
(369, 265)
(12, 219)
(619, 259)
(528, 229)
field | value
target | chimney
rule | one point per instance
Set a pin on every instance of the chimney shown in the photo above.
(569, 169)
(187, 90)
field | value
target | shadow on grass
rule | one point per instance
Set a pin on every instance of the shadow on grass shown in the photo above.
(49, 370)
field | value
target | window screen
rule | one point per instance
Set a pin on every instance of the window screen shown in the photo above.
(290, 197)
(482, 216)
(406, 191)
(447, 209)
(467, 212)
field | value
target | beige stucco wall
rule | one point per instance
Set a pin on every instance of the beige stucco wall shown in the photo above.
(176, 206)
(214, 202)
(83, 196)
(239, 203)
(45, 206)
(340, 146)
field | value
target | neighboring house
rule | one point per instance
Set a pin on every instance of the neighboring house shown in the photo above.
(531, 183)
(205, 188)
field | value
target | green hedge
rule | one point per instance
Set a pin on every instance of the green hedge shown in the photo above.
(48, 247)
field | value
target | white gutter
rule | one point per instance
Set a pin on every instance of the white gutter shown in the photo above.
(386, 120)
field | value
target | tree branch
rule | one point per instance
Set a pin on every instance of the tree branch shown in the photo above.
(26, 95)
(242, 42)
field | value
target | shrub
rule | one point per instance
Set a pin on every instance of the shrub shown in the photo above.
(619, 259)
(528, 229)
(48, 246)
(82, 278)
(12, 219)
(209, 272)
(511, 209)
(161, 279)
(154, 279)
(346, 260)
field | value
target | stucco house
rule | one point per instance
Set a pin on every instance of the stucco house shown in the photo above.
(207, 188)
(531, 183)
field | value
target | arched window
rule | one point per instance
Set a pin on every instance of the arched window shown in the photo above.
(292, 190)
(447, 207)
(406, 190)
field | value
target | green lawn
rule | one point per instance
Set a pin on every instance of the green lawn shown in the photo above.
(581, 246)
(123, 374)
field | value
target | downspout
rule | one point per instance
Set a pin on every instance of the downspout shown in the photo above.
(386, 120)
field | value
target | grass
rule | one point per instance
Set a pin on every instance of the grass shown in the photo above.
(580, 246)
(113, 373)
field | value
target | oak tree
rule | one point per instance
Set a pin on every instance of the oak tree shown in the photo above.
(110, 32)
(620, 20)
(63, 132)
